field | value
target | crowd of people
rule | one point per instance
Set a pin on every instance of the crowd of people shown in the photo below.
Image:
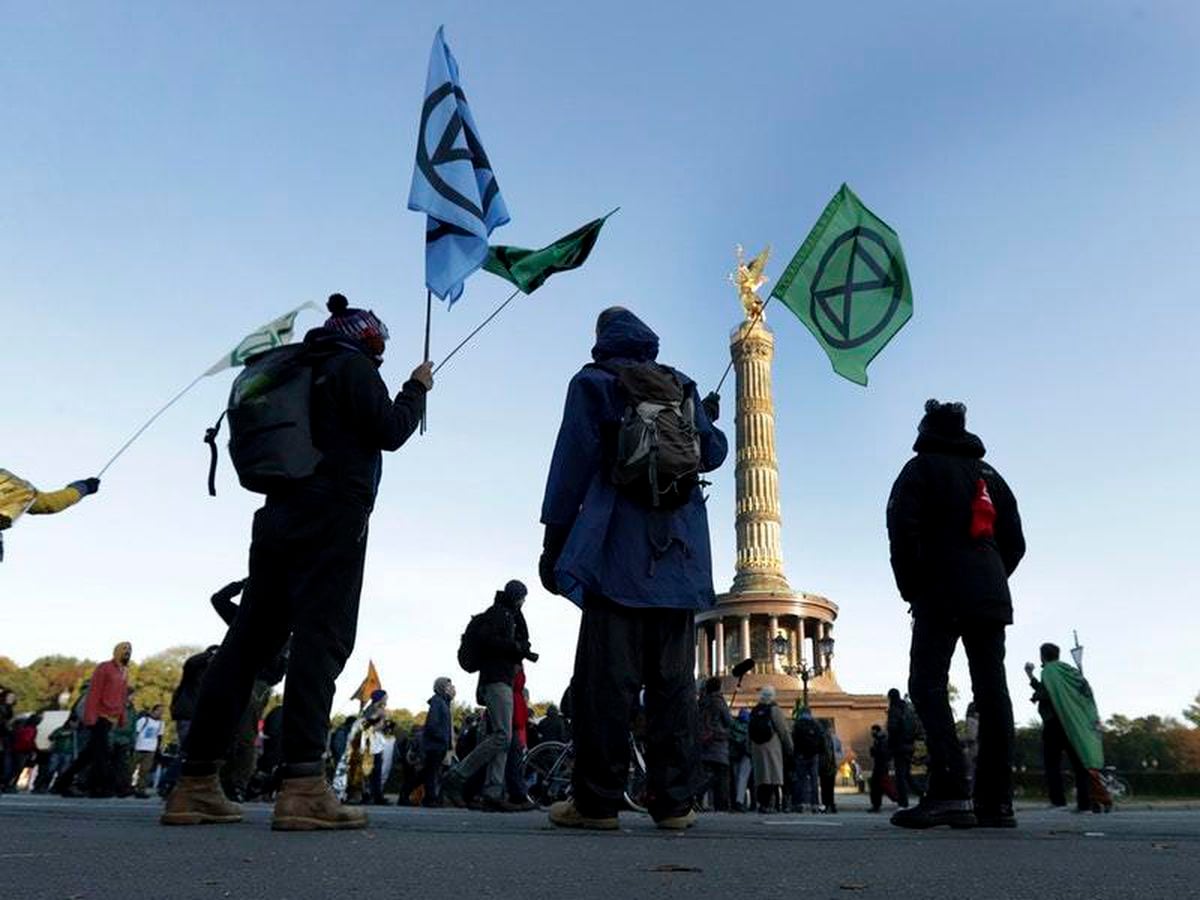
(627, 541)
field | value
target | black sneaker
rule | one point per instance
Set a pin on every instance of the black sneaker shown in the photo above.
(932, 813)
(996, 817)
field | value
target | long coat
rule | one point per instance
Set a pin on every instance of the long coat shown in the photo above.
(769, 757)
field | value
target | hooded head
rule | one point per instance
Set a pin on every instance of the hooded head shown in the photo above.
(360, 325)
(893, 696)
(444, 687)
(622, 335)
(122, 653)
(712, 686)
(513, 595)
(767, 694)
(943, 429)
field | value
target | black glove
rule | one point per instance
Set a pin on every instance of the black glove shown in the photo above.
(86, 486)
(531, 656)
(552, 545)
(712, 406)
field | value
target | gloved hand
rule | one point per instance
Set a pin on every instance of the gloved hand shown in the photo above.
(552, 544)
(86, 486)
(712, 406)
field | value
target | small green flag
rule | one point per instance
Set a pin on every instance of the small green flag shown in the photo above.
(274, 334)
(528, 269)
(849, 285)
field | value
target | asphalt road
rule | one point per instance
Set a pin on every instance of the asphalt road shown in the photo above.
(92, 849)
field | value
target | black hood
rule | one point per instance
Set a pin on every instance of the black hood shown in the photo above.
(943, 429)
(327, 342)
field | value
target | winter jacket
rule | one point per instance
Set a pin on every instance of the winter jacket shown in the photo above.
(439, 727)
(107, 694)
(354, 418)
(769, 758)
(714, 725)
(183, 701)
(940, 570)
(553, 727)
(900, 740)
(18, 496)
(607, 544)
(503, 640)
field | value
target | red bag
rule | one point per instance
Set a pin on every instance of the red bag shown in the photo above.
(25, 739)
(983, 513)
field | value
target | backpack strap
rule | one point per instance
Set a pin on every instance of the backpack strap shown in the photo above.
(210, 438)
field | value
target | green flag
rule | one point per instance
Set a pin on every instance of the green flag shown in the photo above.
(275, 333)
(528, 269)
(849, 285)
(1072, 698)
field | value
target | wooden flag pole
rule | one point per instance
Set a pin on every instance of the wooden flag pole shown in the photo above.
(428, 320)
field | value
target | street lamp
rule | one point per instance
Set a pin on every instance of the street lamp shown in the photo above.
(781, 645)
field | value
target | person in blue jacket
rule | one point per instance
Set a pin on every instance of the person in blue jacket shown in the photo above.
(639, 573)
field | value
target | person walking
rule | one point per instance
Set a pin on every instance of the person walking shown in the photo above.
(879, 785)
(1070, 725)
(436, 738)
(147, 739)
(740, 763)
(715, 722)
(103, 710)
(306, 568)
(494, 644)
(770, 745)
(955, 537)
(627, 541)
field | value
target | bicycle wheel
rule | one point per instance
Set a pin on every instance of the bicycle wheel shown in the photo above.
(547, 771)
(636, 786)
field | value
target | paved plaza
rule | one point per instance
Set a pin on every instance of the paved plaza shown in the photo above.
(93, 849)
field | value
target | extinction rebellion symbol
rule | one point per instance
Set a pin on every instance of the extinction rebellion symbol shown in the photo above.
(850, 313)
(446, 152)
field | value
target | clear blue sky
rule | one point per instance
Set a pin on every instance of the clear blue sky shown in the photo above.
(173, 175)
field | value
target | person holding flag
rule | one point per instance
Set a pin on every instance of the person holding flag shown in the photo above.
(18, 497)
(307, 553)
(1070, 725)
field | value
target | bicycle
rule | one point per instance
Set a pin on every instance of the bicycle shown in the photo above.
(549, 766)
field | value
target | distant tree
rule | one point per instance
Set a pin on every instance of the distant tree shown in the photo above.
(1192, 713)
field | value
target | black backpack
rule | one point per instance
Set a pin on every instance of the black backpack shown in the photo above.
(469, 651)
(808, 737)
(270, 429)
(762, 725)
(657, 456)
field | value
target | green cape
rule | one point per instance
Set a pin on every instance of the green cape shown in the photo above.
(1072, 697)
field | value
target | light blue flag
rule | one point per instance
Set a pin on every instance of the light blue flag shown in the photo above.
(452, 181)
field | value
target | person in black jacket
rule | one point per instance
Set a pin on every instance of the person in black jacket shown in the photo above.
(955, 537)
(306, 567)
(501, 641)
(901, 738)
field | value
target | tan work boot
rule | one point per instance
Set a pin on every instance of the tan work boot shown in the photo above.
(199, 800)
(565, 814)
(309, 804)
(681, 822)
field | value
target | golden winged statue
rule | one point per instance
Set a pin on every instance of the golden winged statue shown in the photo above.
(748, 278)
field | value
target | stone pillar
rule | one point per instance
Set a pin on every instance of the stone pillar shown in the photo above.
(702, 650)
(800, 641)
(759, 545)
(745, 637)
(719, 628)
(773, 630)
(794, 645)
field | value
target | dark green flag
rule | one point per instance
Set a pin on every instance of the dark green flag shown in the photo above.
(528, 269)
(849, 285)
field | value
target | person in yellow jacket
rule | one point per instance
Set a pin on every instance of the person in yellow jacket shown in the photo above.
(18, 497)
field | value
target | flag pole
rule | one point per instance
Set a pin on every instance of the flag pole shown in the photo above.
(137, 434)
(753, 322)
(478, 328)
(425, 358)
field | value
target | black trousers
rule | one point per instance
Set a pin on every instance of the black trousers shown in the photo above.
(933, 643)
(716, 777)
(902, 765)
(1054, 745)
(306, 569)
(96, 754)
(828, 797)
(431, 775)
(622, 649)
